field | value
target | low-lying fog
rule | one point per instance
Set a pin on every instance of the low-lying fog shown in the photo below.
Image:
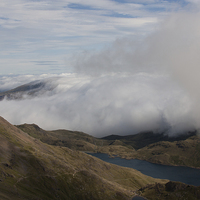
(110, 104)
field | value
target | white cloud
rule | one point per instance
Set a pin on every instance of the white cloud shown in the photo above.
(11, 81)
(124, 88)
(112, 104)
(37, 29)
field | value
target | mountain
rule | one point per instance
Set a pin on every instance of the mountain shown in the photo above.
(32, 89)
(31, 169)
(155, 148)
(143, 139)
(78, 141)
(182, 152)
(72, 139)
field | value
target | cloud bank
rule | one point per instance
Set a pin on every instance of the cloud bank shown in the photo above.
(129, 87)
(110, 104)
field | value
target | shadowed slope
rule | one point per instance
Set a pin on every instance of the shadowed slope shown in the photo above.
(30, 90)
(143, 139)
(171, 191)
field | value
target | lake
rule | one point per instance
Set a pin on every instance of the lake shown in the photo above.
(174, 173)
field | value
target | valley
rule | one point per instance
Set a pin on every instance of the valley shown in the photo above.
(52, 164)
(183, 150)
(31, 169)
(159, 149)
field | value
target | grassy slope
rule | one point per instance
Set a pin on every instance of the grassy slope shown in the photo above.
(143, 139)
(182, 152)
(72, 139)
(30, 169)
(185, 151)
(79, 141)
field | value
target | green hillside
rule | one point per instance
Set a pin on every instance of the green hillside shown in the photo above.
(183, 150)
(30, 169)
(65, 138)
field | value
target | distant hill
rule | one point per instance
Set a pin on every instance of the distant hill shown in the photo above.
(143, 139)
(71, 139)
(182, 152)
(30, 89)
(31, 169)
(155, 148)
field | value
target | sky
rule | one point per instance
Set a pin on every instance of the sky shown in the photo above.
(44, 36)
(113, 66)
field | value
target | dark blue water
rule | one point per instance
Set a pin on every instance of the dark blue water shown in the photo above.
(183, 174)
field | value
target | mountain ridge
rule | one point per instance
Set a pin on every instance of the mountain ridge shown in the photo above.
(155, 148)
(30, 89)
(143, 139)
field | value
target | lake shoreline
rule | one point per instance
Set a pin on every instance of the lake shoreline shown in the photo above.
(122, 157)
(184, 174)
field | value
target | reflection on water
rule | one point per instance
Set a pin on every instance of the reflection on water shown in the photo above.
(183, 174)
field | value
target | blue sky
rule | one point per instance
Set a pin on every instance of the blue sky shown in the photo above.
(44, 36)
